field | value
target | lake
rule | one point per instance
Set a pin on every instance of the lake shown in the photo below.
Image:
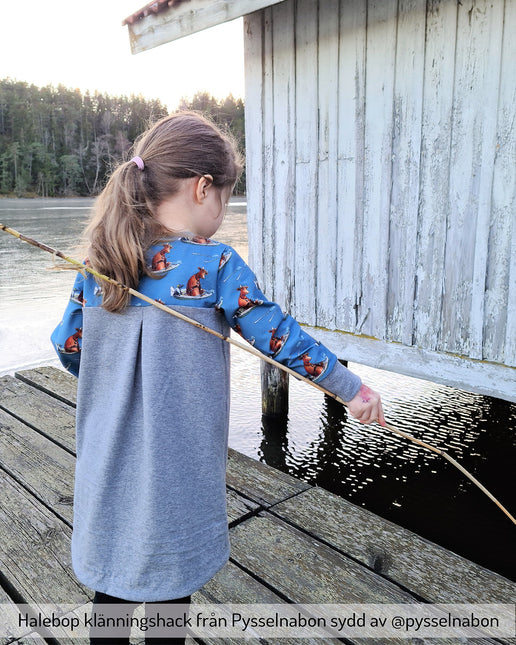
(318, 442)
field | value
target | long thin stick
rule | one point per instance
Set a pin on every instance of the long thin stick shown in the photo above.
(247, 348)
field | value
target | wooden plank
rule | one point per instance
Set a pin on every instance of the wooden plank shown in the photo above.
(441, 26)
(306, 186)
(283, 105)
(406, 147)
(381, 48)
(304, 569)
(233, 585)
(239, 508)
(267, 242)
(328, 92)
(38, 464)
(352, 73)
(8, 612)
(35, 557)
(473, 142)
(253, 52)
(185, 18)
(258, 482)
(480, 377)
(53, 381)
(39, 410)
(487, 95)
(424, 568)
(500, 318)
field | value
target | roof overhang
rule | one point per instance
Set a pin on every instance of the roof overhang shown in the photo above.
(162, 21)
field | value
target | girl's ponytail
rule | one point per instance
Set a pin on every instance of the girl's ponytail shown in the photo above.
(123, 225)
(121, 229)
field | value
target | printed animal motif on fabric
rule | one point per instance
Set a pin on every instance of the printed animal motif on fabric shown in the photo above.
(72, 344)
(314, 371)
(245, 304)
(160, 265)
(77, 296)
(206, 274)
(193, 287)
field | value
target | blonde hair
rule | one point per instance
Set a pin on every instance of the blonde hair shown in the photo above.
(123, 224)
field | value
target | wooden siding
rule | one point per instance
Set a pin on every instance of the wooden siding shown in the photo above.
(382, 177)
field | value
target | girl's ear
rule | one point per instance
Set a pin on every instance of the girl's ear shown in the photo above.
(201, 188)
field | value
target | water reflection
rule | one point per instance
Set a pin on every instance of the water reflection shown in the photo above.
(413, 487)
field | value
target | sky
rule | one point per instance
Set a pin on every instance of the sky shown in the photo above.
(83, 45)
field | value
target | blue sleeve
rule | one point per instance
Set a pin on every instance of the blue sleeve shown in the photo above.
(263, 324)
(66, 337)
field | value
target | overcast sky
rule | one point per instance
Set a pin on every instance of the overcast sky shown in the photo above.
(82, 44)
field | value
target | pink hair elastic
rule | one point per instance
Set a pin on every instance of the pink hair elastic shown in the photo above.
(139, 162)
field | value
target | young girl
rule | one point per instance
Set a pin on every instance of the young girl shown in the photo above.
(150, 519)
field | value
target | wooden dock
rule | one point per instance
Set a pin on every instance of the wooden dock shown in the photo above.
(291, 542)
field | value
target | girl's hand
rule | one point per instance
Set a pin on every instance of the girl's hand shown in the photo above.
(366, 406)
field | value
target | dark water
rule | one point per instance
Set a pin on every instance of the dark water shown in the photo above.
(318, 443)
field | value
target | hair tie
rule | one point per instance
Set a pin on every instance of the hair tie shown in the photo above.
(139, 162)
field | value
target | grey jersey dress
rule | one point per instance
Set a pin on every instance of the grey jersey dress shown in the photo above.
(150, 519)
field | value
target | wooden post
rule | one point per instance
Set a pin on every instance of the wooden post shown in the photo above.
(274, 391)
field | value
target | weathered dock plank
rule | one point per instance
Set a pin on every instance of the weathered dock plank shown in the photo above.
(8, 608)
(233, 585)
(56, 382)
(39, 410)
(41, 466)
(304, 569)
(428, 570)
(259, 482)
(35, 557)
(239, 507)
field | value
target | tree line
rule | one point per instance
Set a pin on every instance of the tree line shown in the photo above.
(57, 141)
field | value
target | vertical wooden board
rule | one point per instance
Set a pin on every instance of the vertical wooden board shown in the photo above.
(510, 342)
(500, 312)
(477, 69)
(406, 149)
(434, 173)
(328, 91)
(268, 229)
(352, 67)
(488, 107)
(306, 189)
(253, 54)
(381, 48)
(283, 148)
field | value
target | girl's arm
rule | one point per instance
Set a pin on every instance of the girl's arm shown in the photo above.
(263, 324)
(67, 336)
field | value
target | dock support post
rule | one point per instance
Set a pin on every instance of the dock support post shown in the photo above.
(274, 391)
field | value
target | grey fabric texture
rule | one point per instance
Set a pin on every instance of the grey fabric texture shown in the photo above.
(150, 518)
(342, 382)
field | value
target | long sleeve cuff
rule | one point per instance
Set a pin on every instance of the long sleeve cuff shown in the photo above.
(342, 382)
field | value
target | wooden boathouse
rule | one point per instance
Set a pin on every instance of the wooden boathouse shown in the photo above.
(381, 165)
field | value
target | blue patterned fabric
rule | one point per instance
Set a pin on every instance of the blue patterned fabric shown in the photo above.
(199, 272)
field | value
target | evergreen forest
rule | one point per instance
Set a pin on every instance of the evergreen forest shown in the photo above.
(58, 142)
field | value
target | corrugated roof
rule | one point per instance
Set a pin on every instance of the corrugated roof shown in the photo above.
(157, 6)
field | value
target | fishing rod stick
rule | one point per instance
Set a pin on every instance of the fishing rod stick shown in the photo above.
(247, 348)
